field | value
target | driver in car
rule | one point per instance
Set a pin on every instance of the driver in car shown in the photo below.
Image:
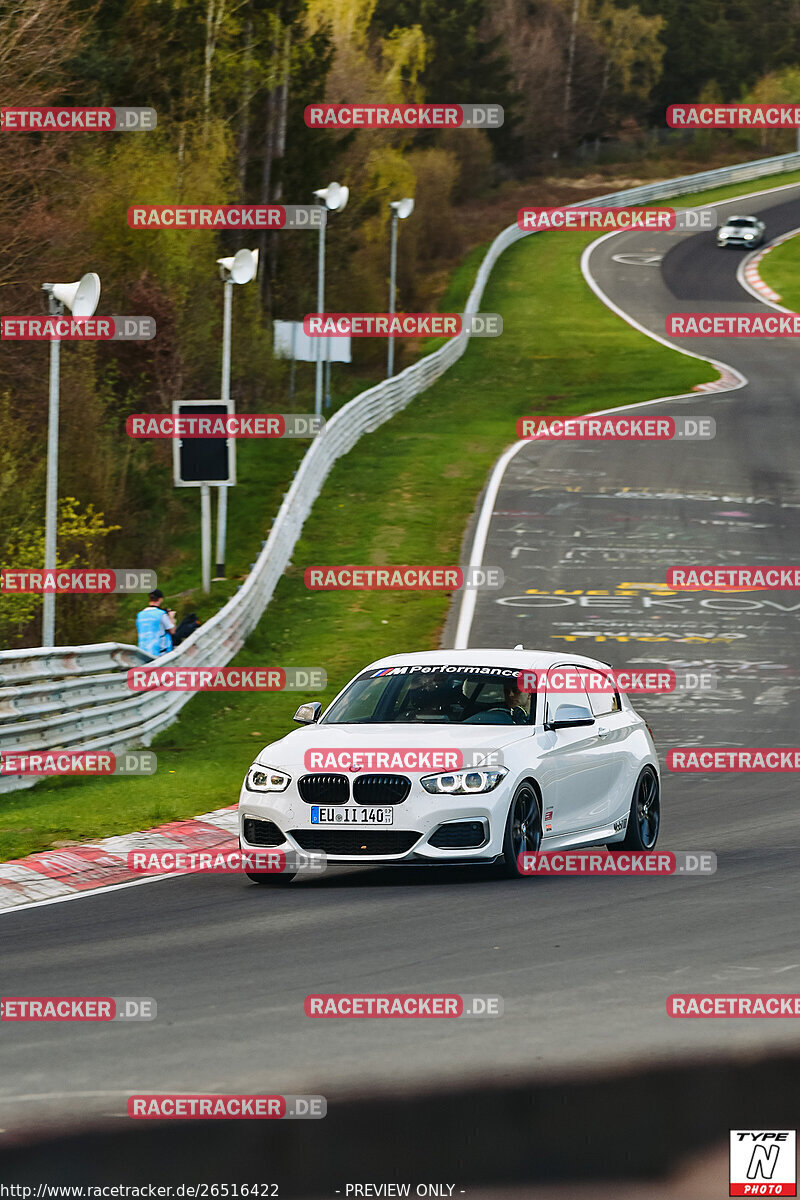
(517, 703)
(513, 710)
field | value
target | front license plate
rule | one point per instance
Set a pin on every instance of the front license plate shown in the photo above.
(325, 815)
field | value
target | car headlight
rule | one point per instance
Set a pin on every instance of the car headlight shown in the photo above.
(462, 783)
(749, 235)
(266, 779)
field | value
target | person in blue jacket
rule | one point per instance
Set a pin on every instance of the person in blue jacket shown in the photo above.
(155, 627)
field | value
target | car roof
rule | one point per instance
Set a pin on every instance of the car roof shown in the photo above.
(740, 217)
(487, 657)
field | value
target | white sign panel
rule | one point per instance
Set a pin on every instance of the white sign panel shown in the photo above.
(289, 341)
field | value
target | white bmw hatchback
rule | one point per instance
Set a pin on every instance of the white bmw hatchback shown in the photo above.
(439, 758)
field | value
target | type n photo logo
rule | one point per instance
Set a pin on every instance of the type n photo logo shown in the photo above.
(763, 1162)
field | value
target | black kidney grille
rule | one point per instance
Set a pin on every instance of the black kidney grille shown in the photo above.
(366, 842)
(381, 789)
(321, 788)
(460, 835)
(262, 833)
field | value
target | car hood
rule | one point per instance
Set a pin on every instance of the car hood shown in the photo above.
(736, 230)
(290, 750)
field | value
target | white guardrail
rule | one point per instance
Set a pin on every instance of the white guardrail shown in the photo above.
(77, 697)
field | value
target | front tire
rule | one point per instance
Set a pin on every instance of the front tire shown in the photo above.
(523, 833)
(644, 819)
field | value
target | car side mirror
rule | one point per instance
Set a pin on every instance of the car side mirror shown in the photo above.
(570, 716)
(308, 714)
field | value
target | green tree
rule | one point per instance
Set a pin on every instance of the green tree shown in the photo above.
(466, 62)
(80, 531)
(778, 87)
(731, 43)
(632, 55)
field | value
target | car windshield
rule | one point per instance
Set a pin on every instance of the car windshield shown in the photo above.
(742, 221)
(451, 695)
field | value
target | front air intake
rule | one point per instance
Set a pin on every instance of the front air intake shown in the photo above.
(322, 788)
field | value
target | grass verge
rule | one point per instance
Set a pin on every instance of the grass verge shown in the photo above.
(403, 495)
(780, 270)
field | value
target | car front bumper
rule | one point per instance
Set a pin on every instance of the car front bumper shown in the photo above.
(416, 821)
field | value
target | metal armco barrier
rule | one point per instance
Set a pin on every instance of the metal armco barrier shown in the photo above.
(77, 697)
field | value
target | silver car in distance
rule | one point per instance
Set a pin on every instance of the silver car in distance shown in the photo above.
(741, 231)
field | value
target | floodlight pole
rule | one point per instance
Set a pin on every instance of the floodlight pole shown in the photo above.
(81, 299)
(205, 535)
(222, 489)
(400, 210)
(51, 497)
(392, 286)
(320, 307)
